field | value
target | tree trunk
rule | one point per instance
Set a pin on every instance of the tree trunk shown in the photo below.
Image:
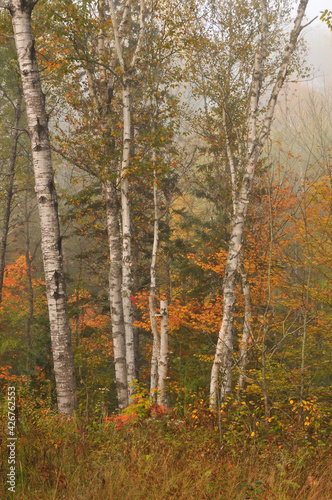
(6, 217)
(126, 238)
(63, 359)
(163, 358)
(115, 282)
(246, 334)
(135, 289)
(28, 261)
(152, 298)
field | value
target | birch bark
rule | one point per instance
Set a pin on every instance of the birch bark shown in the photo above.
(246, 333)
(21, 11)
(115, 282)
(28, 261)
(152, 298)
(256, 140)
(126, 239)
(163, 358)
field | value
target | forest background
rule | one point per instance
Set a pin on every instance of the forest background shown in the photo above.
(268, 433)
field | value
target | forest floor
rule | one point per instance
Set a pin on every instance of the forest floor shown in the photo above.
(157, 454)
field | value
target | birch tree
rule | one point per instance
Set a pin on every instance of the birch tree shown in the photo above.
(20, 11)
(103, 109)
(159, 358)
(258, 133)
(115, 283)
(127, 68)
(163, 355)
(152, 296)
(245, 341)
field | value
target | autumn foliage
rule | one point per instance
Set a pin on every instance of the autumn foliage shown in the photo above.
(270, 434)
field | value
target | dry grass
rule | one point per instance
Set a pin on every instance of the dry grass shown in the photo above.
(159, 460)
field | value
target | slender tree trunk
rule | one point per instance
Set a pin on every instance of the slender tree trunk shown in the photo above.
(256, 140)
(126, 238)
(246, 334)
(155, 352)
(267, 309)
(29, 279)
(63, 359)
(31, 308)
(135, 279)
(167, 249)
(264, 364)
(78, 314)
(163, 358)
(115, 283)
(232, 169)
(135, 289)
(6, 218)
(304, 333)
(152, 298)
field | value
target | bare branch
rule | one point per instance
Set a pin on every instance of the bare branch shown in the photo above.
(78, 163)
(308, 24)
(282, 72)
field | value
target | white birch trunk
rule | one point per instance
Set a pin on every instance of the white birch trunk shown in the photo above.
(243, 360)
(115, 283)
(226, 384)
(246, 334)
(163, 358)
(155, 348)
(152, 298)
(20, 11)
(126, 238)
(223, 357)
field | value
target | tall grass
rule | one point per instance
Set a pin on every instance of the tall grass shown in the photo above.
(160, 457)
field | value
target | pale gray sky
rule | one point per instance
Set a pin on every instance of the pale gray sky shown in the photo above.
(319, 38)
(316, 6)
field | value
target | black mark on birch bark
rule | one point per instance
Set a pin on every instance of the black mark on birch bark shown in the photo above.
(60, 245)
(57, 285)
(32, 51)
